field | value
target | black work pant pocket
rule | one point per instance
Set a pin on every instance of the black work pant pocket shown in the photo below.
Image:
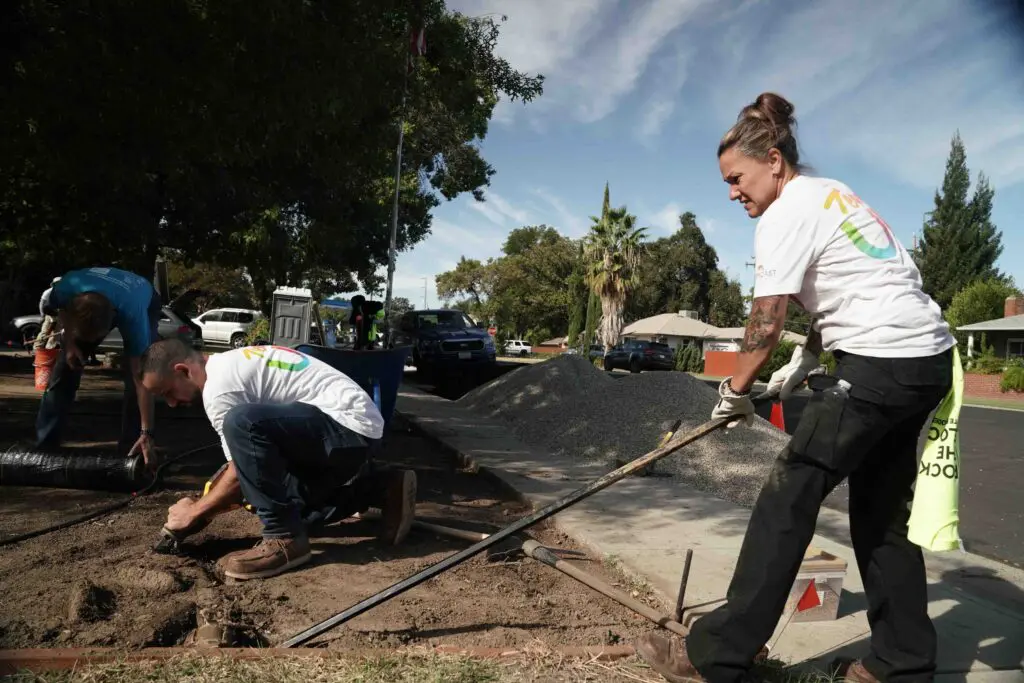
(817, 436)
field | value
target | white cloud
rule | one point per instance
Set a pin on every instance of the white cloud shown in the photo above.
(570, 223)
(497, 209)
(459, 238)
(888, 83)
(593, 53)
(663, 222)
(668, 81)
(613, 70)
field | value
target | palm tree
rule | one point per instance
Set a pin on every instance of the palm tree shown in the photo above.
(612, 251)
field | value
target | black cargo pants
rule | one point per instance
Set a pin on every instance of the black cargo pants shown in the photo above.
(868, 433)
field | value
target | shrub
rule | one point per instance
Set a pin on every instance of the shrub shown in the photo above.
(259, 333)
(1013, 380)
(988, 364)
(829, 361)
(780, 357)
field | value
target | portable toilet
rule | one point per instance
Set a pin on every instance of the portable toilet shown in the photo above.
(291, 316)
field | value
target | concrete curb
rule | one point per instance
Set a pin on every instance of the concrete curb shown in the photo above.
(63, 659)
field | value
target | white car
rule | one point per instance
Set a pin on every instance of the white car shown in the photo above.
(517, 347)
(227, 325)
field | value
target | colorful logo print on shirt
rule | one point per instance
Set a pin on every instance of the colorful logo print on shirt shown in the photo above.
(853, 232)
(293, 361)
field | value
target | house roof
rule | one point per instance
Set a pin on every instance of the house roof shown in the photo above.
(1013, 323)
(557, 341)
(671, 325)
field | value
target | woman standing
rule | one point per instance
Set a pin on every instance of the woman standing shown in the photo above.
(821, 246)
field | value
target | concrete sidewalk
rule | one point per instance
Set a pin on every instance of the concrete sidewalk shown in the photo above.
(648, 523)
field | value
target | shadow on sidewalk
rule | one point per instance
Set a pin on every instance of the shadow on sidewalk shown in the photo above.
(971, 634)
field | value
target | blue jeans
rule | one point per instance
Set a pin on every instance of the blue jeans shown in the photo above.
(63, 385)
(293, 463)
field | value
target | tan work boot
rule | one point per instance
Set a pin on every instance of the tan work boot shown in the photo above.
(855, 672)
(398, 505)
(667, 655)
(270, 557)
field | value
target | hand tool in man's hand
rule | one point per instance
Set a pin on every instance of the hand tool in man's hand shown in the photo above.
(170, 540)
(674, 444)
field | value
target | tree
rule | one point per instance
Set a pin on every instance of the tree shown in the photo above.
(578, 299)
(470, 278)
(399, 307)
(201, 286)
(977, 302)
(676, 273)
(224, 129)
(727, 308)
(612, 250)
(527, 237)
(961, 227)
(526, 291)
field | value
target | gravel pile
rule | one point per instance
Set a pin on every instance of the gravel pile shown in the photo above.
(571, 409)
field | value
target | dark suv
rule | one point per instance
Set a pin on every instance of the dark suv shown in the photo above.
(640, 355)
(444, 339)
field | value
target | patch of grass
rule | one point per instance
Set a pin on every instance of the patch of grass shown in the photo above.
(1008, 404)
(198, 669)
(537, 664)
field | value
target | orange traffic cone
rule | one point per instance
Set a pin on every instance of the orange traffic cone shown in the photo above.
(776, 416)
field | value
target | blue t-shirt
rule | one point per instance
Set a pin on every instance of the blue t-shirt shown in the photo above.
(136, 306)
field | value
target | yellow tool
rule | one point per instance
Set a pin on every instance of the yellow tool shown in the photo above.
(669, 434)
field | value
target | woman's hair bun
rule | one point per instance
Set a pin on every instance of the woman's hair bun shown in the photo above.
(771, 108)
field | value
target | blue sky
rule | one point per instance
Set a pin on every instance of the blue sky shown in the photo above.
(639, 93)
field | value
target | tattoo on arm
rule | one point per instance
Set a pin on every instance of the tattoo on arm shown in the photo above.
(766, 314)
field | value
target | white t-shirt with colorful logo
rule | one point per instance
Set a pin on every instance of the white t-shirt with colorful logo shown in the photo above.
(825, 247)
(279, 375)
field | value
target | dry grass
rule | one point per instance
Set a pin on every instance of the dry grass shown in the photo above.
(537, 665)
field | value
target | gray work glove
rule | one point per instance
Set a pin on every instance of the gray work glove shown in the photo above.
(732, 404)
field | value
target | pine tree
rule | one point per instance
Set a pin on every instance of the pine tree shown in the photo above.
(960, 244)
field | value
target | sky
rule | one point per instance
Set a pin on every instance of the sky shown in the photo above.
(638, 94)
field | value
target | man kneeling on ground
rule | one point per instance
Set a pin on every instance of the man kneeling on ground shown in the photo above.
(297, 435)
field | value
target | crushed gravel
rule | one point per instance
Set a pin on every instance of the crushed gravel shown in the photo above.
(571, 409)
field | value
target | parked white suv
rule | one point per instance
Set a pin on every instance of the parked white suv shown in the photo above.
(517, 347)
(227, 325)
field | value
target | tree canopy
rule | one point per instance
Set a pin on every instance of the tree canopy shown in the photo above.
(258, 134)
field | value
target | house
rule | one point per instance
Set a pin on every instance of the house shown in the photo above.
(1005, 335)
(674, 329)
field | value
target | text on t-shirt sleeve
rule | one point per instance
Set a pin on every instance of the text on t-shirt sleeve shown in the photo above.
(784, 247)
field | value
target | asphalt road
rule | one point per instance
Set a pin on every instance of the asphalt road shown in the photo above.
(991, 478)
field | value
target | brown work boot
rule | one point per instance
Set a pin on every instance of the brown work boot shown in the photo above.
(856, 672)
(270, 557)
(398, 505)
(667, 655)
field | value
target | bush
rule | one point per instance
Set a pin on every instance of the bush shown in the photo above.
(598, 362)
(1013, 380)
(780, 357)
(988, 364)
(259, 333)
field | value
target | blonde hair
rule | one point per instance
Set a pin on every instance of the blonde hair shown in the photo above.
(766, 124)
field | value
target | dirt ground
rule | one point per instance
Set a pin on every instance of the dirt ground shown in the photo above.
(99, 583)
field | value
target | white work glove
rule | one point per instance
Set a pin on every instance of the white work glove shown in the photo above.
(787, 378)
(731, 404)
